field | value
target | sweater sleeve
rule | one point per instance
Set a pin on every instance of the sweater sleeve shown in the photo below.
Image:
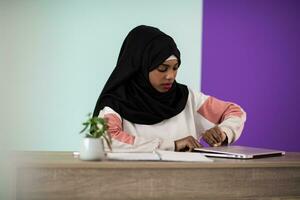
(123, 141)
(229, 116)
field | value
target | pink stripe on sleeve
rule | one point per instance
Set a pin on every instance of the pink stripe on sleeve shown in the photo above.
(216, 111)
(116, 131)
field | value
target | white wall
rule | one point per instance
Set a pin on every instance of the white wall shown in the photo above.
(57, 55)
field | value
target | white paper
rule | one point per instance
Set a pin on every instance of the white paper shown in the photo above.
(160, 155)
(132, 156)
(182, 156)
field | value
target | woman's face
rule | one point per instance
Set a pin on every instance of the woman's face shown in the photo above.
(162, 77)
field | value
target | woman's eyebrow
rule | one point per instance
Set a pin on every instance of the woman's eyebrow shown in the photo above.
(167, 65)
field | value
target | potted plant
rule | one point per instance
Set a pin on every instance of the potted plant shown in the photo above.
(95, 129)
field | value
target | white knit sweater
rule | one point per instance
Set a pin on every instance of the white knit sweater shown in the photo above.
(201, 113)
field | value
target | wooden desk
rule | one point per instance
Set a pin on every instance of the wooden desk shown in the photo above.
(58, 175)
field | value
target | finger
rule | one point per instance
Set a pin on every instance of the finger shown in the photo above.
(193, 141)
(216, 135)
(210, 143)
(191, 145)
(220, 132)
(197, 144)
(194, 145)
(217, 145)
(188, 144)
(210, 137)
(207, 139)
(191, 148)
(184, 147)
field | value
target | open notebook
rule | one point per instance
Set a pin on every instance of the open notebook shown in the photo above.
(160, 155)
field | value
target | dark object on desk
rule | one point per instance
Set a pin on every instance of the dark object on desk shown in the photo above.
(240, 152)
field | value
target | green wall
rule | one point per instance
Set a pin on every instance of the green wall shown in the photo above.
(57, 55)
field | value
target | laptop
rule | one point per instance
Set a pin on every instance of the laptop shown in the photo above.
(240, 152)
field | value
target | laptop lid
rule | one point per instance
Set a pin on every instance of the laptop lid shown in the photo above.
(242, 152)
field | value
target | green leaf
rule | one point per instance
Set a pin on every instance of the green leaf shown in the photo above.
(108, 142)
(95, 127)
(84, 129)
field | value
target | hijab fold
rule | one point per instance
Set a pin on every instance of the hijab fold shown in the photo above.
(128, 90)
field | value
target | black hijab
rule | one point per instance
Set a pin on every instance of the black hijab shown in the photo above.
(128, 90)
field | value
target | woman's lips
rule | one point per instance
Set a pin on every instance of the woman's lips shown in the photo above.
(167, 86)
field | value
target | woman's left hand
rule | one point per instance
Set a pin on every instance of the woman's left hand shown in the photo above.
(214, 136)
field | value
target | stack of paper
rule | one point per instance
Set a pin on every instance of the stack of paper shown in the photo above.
(160, 155)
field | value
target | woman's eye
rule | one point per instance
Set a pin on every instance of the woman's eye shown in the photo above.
(162, 68)
(175, 68)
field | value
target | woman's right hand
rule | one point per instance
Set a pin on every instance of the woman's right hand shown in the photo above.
(187, 144)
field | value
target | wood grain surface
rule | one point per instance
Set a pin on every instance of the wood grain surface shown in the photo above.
(59, 175)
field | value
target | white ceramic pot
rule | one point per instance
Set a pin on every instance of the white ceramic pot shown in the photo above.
(92, 149)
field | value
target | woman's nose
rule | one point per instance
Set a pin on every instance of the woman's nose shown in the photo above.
(171, 75)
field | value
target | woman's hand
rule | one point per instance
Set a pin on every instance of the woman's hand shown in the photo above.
(214, 136)
(187, 144)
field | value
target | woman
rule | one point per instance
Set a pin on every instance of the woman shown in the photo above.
(147, 109)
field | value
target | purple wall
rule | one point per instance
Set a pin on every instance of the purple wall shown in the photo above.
(251, 56)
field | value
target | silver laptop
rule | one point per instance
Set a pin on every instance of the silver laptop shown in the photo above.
(241, 152)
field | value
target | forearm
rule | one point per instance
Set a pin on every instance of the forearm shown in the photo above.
(233, 127)
(126, 142)
(229, 117)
